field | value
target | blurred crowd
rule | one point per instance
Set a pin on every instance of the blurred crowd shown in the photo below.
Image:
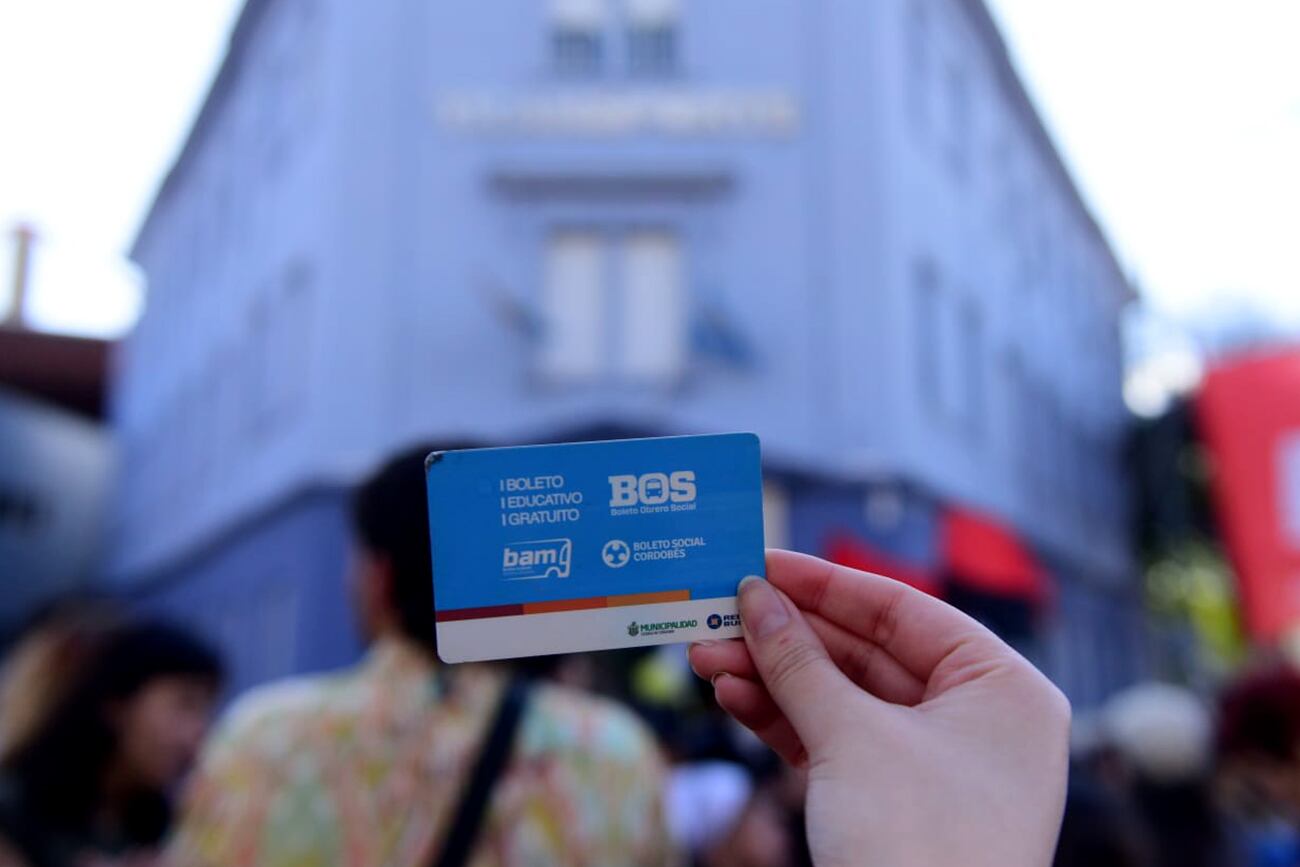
(616, 758)
(1161, 778)
(103, 714)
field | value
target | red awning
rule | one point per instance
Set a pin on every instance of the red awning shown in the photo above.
(847, 549)
(982, 554)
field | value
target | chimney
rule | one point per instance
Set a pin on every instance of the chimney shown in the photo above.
(23, 236)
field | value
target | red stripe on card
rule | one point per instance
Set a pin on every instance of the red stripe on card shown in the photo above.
(478, 613)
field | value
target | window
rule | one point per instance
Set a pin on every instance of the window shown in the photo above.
(651, 339)
(206, 431)
(256, 363)
(926, 332)
(917, 42)
(1005, 181)
(308, 83)
(577, 36)
(274, 126)
(652, 36)
(1049, 458)
(228, 406)
(1084, 465)
(972, 363)
(290, 323)
(613, 306)
(959, 120)
(951, 350)
(573, 307)
(1017, 406)
(884, 508)
(274, 359)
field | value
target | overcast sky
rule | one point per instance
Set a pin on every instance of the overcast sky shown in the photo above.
(1181, 122)
(1179, 118)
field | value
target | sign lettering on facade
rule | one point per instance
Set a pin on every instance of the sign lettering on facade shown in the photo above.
(695, 113)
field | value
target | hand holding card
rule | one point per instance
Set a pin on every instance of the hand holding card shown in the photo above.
(927, 739)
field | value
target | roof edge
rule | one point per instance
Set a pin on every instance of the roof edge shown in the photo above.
(217, 92)
(984, 22)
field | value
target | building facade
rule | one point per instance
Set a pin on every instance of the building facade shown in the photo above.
(840, 225)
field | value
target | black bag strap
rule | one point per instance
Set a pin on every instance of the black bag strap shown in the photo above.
(468, 818)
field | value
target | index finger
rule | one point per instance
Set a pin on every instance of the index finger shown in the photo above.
(914, 628)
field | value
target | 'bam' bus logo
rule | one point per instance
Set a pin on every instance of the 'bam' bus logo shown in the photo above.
(544, 558)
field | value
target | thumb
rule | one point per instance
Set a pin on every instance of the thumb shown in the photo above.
(792, 661)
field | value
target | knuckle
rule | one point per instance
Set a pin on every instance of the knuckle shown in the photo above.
(791, 661)
(885, 623)
(1059, 706)
(861, 661)
(1051, 704)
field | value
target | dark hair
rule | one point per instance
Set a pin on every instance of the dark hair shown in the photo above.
(1259, 715)
(80, 609)
(390, 513)
(60, 766)
(58, 639)
(1099, 827)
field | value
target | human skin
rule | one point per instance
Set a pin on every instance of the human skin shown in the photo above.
(926, 739)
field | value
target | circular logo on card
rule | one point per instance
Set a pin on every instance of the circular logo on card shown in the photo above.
(616, 553)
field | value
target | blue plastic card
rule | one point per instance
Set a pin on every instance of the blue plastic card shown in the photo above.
(592, 546)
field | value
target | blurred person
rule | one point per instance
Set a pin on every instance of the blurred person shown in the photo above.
(1258, 745)
(1162, 732)
(927, 740)
(1101, 825)
(89, 781)
(725, 802)
(791, 791)
(383, 764)
(57, 638)
(718, 815)
(1094, 756)
(759, 838)
(1100, 829)
(1161, 736)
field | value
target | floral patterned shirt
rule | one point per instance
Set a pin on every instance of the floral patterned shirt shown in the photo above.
(364, 768)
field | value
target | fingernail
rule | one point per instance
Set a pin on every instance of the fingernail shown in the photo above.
(704, 642)
(690, 657)
(713, 681)
(761, 611)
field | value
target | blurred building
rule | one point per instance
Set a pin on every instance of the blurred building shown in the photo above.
(55, 455)
(64, 370)
(840, 225)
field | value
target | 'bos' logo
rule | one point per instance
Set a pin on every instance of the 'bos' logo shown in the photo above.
(652, 489)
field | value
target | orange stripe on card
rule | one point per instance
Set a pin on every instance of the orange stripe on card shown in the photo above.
(648, 598)
(564, 605)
